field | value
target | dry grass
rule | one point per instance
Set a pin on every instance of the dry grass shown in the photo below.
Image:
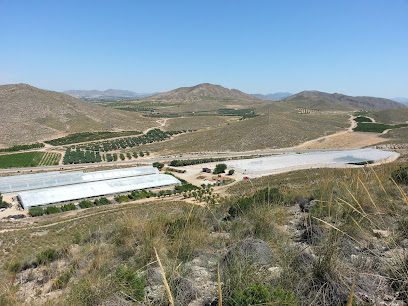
(198, 122)
(276, 129)
(356, 224)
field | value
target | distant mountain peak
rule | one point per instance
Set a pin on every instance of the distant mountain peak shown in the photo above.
(203, 90)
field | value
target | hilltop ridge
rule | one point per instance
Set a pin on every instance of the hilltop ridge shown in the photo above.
(314, 99)
(204, 90)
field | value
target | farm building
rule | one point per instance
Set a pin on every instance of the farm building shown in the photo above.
(81, 191)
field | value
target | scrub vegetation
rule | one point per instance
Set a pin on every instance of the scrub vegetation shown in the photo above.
(310, 237)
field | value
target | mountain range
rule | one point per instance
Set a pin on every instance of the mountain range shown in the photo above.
(107, 95)
(277, 96)
(29, 114)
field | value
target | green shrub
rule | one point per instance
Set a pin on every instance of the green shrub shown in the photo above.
(86, 204)
(400, 176)
(130, 282)
(102, 201)
(220, 168)
(261, 294)
(36, 211)
(68, 207)
(52, 210)
(47, 256)
(158, 165)
(61, 281)
(122, 198)
(13, 266)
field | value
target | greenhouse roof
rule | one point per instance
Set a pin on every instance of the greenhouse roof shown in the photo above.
(52, 179)
(69, 193)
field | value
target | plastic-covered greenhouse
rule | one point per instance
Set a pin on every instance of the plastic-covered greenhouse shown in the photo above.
(99, 188)
(18, 183)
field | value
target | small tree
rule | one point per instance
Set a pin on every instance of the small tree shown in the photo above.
(220, 168)
(231, 172)
(3, 204)
(158, 165)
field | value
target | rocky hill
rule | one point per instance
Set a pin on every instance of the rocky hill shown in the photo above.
(325, 101)
(29, 114)
(203, 91)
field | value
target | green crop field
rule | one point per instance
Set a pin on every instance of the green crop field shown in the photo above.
(376, 127)
(29, 159)
(362, 119)
(83, 137)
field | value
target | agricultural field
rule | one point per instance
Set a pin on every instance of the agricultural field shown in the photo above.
(23, 147)
(28, 159)
(89, 136)
(50, 159)
(372, 127)
(155, 135)
(362, 119)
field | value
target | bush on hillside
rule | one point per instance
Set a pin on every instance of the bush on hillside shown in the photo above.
(400, 175)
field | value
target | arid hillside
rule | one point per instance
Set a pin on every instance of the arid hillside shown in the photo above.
(204, 90)
(326, 102)
(29, 114)
(391, 116)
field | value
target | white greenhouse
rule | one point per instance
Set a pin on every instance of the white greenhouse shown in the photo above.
(81, 191)
(24, 182)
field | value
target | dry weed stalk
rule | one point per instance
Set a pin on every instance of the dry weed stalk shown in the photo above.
(166, 284)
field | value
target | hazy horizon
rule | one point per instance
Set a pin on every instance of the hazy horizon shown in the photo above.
(353, 48)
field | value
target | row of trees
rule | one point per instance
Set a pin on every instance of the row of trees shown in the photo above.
(23, 147)
(39, 211)
(80, 157)
(155, 135)
(188, 162)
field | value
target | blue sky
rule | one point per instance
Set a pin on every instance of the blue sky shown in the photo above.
(357, 47)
